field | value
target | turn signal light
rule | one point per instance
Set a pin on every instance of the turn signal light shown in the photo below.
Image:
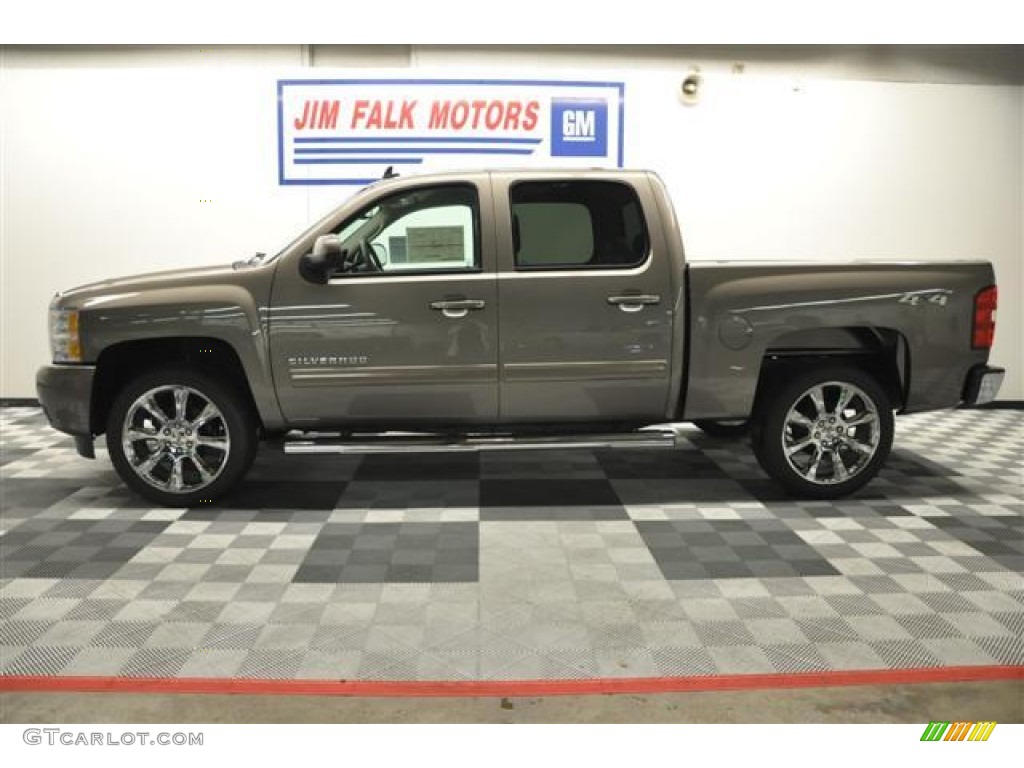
(65, 339)
(984, 332)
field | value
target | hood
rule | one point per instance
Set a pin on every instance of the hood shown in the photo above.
(81, 296)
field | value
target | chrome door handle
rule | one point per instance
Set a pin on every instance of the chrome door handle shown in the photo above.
(634, 302)
(457, 307)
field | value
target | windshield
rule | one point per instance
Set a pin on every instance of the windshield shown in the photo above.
(361, 227)
(317, 226)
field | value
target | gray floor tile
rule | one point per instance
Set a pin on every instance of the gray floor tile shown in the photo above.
(567, 565)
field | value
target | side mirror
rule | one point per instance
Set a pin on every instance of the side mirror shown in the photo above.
(326, 257)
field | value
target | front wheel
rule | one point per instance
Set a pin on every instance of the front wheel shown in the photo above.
(179, 437)
(825, 433)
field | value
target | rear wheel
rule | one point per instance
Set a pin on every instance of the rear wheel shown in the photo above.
(179, 437)
(724, 429)
(825, 433)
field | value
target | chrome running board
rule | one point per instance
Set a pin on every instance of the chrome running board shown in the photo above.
(406, 443)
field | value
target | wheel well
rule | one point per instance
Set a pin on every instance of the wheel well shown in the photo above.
(879, 352)
(120, 363)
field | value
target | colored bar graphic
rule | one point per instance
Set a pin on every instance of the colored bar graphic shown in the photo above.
(934, 731)
(982, 731)
(958, 731)
(938, 730)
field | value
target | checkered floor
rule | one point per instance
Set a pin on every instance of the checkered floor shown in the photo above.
(576, 564)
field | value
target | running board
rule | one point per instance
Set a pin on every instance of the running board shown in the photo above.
(445, 444)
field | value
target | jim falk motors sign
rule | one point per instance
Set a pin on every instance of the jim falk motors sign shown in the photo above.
(351, 131)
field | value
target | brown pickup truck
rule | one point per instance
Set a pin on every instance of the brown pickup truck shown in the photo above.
(507, 310)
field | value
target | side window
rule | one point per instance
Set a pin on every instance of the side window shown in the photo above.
(577, 225)
(423, 229)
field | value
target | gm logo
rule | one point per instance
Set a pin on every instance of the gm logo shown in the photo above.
(579, 128)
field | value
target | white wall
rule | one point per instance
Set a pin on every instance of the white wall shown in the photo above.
(852, 170)
(125, 161)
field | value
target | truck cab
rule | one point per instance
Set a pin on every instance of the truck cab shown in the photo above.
(480, 299)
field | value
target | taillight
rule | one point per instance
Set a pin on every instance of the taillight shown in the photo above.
(985, 318)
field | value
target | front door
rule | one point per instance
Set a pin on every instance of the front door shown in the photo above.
(404, 334)
(586, 309)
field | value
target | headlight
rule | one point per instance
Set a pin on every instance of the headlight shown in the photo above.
(65, 342)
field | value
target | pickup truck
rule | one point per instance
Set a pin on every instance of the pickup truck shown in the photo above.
(511, 309)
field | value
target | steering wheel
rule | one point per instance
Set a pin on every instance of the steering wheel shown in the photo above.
(361, 259)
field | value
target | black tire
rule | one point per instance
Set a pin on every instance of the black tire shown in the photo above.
(843, 462)
(184, 457)
(723, 429)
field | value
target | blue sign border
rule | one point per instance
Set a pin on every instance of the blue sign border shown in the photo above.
(282, 181)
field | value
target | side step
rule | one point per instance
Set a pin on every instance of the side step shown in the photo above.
(405, 443)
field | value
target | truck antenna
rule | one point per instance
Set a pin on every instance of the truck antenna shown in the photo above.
(390, 172)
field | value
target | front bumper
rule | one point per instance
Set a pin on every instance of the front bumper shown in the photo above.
(983, 384)
(65, 393)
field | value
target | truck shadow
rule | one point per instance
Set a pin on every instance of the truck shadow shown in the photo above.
(601, 484)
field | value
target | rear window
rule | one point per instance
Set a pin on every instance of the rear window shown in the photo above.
(577, 225)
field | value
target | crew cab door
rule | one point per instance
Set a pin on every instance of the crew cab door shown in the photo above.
(405, 333)
(586, 299)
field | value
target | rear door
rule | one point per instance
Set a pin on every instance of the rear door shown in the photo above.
(586, 304)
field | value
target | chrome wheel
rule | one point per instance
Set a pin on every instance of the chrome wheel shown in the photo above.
(175, 439)
(831, 433)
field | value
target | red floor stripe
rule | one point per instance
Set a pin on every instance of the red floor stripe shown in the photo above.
(512, 688)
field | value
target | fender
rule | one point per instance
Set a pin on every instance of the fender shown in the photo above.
(189, 303)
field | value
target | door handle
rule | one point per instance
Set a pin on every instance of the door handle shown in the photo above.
(634, 302)
(457, 307)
